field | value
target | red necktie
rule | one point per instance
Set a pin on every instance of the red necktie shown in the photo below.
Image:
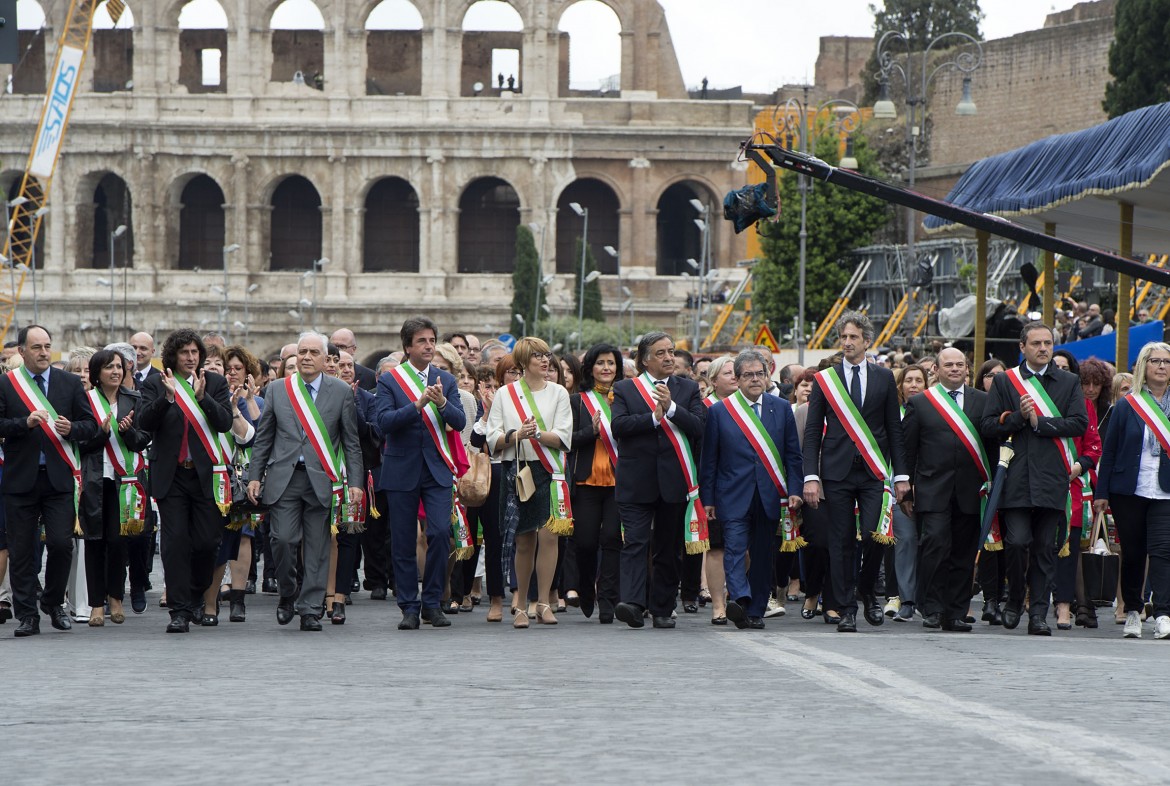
(184, 450)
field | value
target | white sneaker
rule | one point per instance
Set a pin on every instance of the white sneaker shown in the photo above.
(892, 606)
(775, 608)
(1162, 627)
(1133, 626)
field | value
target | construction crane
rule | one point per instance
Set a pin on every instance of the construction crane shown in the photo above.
(24, 223)
(826, 327)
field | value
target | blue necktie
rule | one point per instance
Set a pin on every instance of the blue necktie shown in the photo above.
(756, 409)
(954, 394)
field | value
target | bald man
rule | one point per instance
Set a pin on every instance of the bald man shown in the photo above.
(344, 339)
(143, 344)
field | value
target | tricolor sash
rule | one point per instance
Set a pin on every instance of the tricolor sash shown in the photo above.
(1147, 408)
(596, 404)
(765, 448)
(710, 400)
(866, 444)
(962, 427)
(560, 518)
(1047, 408)
(461, 531)
(30, 393)
(413, 388)
(221, 486)
(695, 536)
(332, 459)
(127, 463)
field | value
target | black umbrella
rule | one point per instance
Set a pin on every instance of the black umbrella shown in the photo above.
(1006, 451)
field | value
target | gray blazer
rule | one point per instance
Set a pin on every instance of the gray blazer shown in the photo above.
(280, 441)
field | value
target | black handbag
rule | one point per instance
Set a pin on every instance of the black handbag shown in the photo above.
(1099, 572)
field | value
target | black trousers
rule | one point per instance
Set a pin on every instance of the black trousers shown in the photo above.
(654, 538)
(190, 527)
(349, 545)
(946, 555)
(859, 487)
(376, 546)
(814, 558)
(487, 517)
(992, 574)
(139, 551)
(1064, 587)
(1029, 543)
(597, 525)
(1143, 527)
(24, 513)
(105, 557)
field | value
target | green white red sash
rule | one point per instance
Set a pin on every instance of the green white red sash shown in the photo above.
(413, 388)
(221, 485)
(1148, 409)
(695, 536)
(332, 459)
(765, 448)
(30, 393)
(127, 463)
(962, 427)
(560, 517)
(598, 405)
(461, 531)
(866, 444)
(1046, 407)
(710, 400)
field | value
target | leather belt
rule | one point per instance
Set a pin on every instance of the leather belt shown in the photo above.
(188, 464)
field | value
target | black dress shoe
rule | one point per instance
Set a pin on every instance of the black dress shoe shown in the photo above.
(269, 586)
(250, 587)
(664, 622)
(310, 622)
(957, 626)
(378, 593)
(197, 615)
(178, 625)
(1011, 617)
(848, 623)
(586, 604)
(285, 611)
(604, 611)
(690, 606)
(338, 617)
(409, 622)
(991, 613)
(436, 618)
(356, 586)
(737, 614)
(138, 599)
(57, 616)
(755, 623)
(29, 626)
(629, 613)
(873, 610)
(932, 620)
(1038, 627)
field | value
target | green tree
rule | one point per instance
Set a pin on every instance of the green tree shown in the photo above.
(1139, 57)
(592, 289)
(922, 21)
(838, 221)
(526, 275)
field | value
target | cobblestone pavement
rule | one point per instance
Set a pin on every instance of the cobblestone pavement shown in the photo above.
(255, 703)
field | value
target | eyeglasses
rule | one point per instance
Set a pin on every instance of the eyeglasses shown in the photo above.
(512, 372)
(542, 355)
(1158, 361)
(753, 375)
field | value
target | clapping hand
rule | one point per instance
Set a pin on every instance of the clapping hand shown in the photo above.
(596, 422)
(200, 385)
(1028, 409)
(169, 383)
(662, 394)
(127, 421)
(37, 417)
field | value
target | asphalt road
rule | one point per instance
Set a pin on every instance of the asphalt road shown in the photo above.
(255, 703)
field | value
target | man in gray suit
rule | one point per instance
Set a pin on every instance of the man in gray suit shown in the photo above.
(306, 416)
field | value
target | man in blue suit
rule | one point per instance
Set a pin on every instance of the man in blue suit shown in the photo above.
(751, 453)
(415, 404)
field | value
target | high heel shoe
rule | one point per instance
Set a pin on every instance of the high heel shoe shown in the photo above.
(545, 617)
(338, 614)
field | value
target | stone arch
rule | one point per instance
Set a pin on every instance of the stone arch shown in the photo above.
(489, 213)
(203, 46)
(394, 49)
(295, 235)
(390, 229)
(592, 67)
(492, 53)
(298, 50)
(112, 207)
(112, 49)
(202, 223)
(604, 209)
(679, 238)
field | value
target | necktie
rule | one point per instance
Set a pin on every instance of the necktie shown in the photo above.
(40, 380)
(855, 386)
(756, 408)
(313, 392)
(954, 394)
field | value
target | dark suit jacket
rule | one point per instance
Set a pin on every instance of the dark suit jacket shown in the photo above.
(368, 431)
(940, 467)
(584, 441)
(166, 423)
(408, 445)
(830, 456)
(151, 371)
(1037, 476)
(366, 378)
(93, 453)
(23, 446)
(731, 470)
(648, 467)
(1122, 453)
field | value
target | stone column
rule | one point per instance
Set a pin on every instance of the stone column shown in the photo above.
(643, 226)
(435, 255)
(236, 222)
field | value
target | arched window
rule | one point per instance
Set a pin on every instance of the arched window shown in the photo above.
(590, 50)
(112, 209)
(493, 44)
(603, 207)
(28, 76)
(679, 238)
(298, 44)
(296, 225)
(201, 225)
(394, 49)
(203, 47)
(390, 228)
(489, 212)
(113, 50)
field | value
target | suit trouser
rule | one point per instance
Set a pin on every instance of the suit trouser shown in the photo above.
(991, 574)
(190, 527)
(814, 558)
(1029, 542)
(905, 559)
(597, 524)
(859, 487)
(755, 534)
(403, 509)
(24, 513)
(376, 545)
(298, 522)
(946, 554)
(655, 529)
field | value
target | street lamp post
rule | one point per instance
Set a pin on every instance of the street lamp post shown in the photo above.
(584, 213)
(628, 303)
(704, 268)
(234, 247)
(251, 290)
(117, 233)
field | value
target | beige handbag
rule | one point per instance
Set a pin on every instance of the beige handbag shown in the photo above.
(525, 485)
(476, 482)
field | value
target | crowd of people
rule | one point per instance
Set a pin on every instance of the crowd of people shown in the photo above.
(456, 474)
